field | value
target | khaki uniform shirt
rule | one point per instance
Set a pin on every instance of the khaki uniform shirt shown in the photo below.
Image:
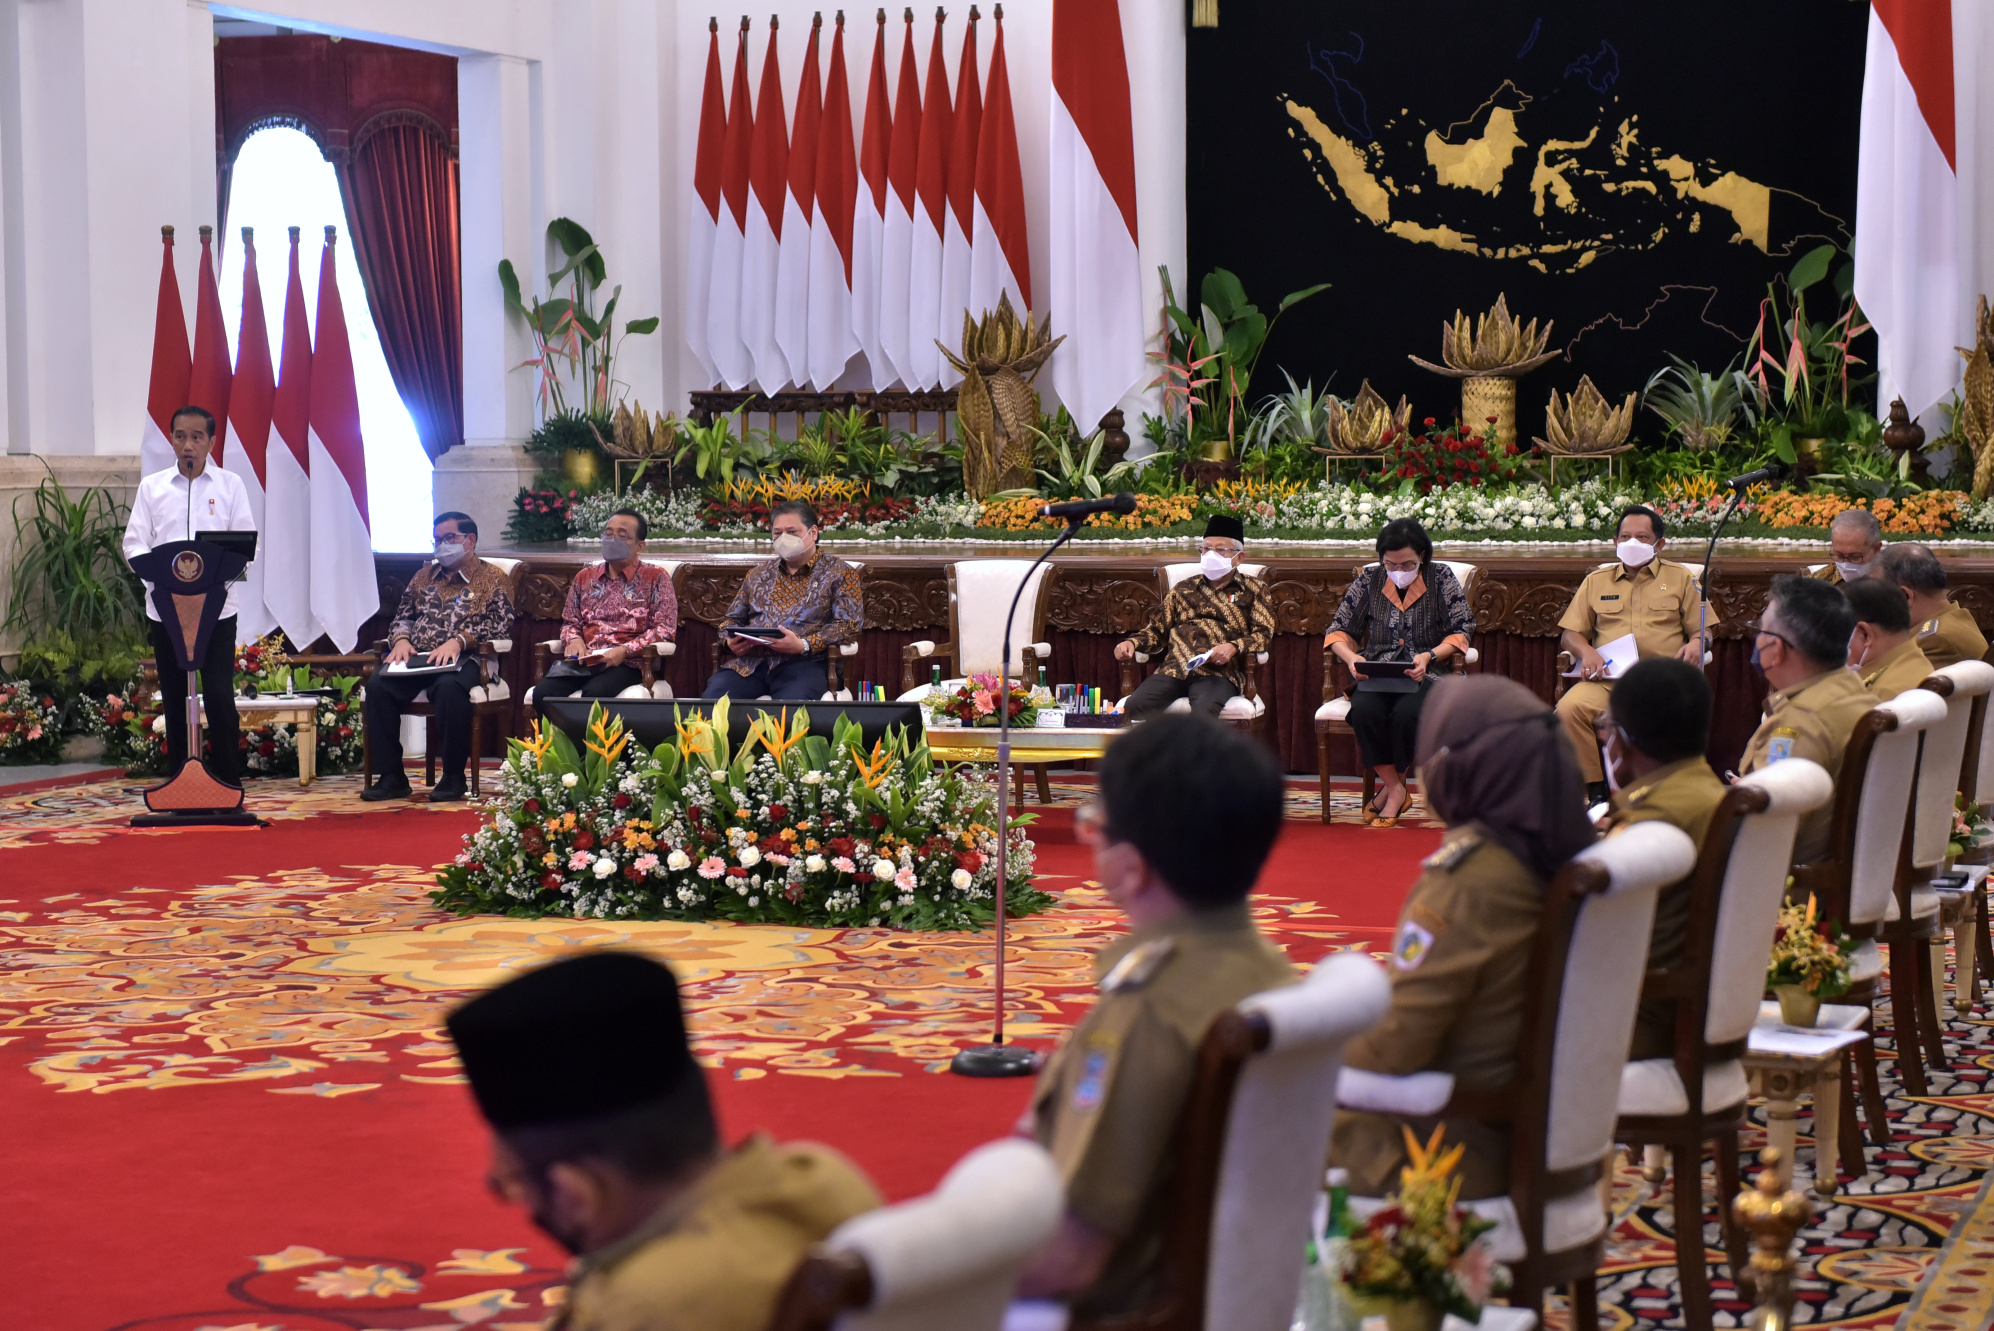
(1811, 720)
(1683, 794)
(1658, 605)
(715, 1257)
(1460, 966)
(1107, 1104)
(1198, 615)
(1902, 667)
(1951, 638)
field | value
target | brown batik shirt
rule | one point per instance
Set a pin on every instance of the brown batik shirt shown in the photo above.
(821, 603)
(1198, 615)
(442, 603)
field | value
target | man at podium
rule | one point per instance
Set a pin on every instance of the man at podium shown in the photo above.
(179, 504)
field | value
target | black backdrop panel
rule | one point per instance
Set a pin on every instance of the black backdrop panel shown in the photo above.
(1636, 172)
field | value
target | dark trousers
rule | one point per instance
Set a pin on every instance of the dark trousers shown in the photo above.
(217, 695)
(1208, 694)
(1387, 726)
(780, 677)
(567, 678)
(388, 696)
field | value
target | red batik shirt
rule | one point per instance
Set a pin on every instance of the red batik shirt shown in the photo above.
(610, 609)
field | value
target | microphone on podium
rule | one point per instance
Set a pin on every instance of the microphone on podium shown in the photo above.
(1772, 471)
(1074, 510)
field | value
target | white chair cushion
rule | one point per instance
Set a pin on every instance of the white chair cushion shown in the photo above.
(661, 689)
(1924, 904)
(496, 691)
(1886, 802)
(1866, 962)
(1754, 883)
(635, 691)
(1416, 1095)
(1653, 1086)
(1569, 1221)
(1239, 707)
(984, 588)
(529, 697)
(1336, 709)
(1176, 573)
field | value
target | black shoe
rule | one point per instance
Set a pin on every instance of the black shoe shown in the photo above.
(1597, 793)
(387, 790)
(449, 788)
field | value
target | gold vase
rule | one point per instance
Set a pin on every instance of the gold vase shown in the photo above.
(1413, 1315)
(1486, 395)
(1797, 1007)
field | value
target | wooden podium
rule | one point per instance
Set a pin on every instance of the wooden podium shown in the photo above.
(189, 587)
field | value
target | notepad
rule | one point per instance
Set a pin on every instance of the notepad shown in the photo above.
(1619, 655)
(409, 667)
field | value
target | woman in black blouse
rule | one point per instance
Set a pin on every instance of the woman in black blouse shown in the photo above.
(1403, 608)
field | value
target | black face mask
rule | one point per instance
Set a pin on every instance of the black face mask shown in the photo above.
(1757, 664)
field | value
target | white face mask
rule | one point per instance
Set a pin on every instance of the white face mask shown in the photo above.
(1634, 553)
(791, 546)
(1402, 578)
(450, 555)
(1850, 572)
(1214, 565)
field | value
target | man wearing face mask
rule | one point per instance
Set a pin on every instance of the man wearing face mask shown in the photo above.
(603, 1129)
(1220, 617)
(1884, 649)
(452, 603)
(1652, 598)
(1802, 649)
(615, 612)
(1947, 633)
(1855, 540)
(812, 597)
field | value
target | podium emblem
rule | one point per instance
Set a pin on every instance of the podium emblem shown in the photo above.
(187, 566)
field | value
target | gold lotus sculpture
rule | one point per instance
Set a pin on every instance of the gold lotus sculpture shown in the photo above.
(1495, 345)
(635, 433)
(1367, 425)
(996, 406)
(1975, 418)
(1586, 423)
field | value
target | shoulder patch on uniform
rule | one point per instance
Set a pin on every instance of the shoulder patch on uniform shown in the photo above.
(1779, 747)
(1138, 966)
(1410, 945)
(1452, 851)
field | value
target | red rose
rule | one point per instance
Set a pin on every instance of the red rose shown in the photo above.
(1779, 934)
(266, 748)
(841, 845)
(737, 872)
(345, 732)
(584, 839)
(793, 891)
(531, 806)
(1429, 420)
(475, 867)
(633, 873)
(779, 812)
(972, 860)
(878, 821)
(551, 881)
(622, 801)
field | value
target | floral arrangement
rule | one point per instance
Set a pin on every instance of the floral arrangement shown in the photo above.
(1970, 830)
(1591, 505)
(30, 729)
(1932, 511)
(272, 750)
(753, 514)
(1809, 953)
(263, 663)
(1452, 456)
(974, 702)
(540, 515)
(1421, 1245)
(133, 730)
(790, 828)
(669, 512)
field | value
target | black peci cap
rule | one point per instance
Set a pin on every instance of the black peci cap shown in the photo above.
(1222, 524)
(587, 1035)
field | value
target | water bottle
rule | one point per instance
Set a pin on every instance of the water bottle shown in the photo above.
(935, 681)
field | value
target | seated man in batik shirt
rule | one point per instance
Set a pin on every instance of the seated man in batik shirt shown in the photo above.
(616, 611)
(813, 598)
(1208, 626)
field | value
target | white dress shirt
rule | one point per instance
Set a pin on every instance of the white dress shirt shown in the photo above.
(168, 507)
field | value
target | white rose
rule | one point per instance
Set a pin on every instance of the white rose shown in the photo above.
(813, 778)
(884, 870)
(678, 860)
(960, 878)
(814, 864)
(750, 857)
(604, 867)
(159, 725)
(569, 779)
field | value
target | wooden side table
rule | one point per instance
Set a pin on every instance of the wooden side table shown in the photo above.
(301, 712)
(1031, 746)
(1787, 1063)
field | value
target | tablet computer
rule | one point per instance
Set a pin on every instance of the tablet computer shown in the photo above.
(759, 632)
(1386, 669)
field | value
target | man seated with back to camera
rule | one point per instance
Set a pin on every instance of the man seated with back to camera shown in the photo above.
(1883, 650)
(603, 1129)
(1652, 741)
(452, 604)
(1186, 814)
(616, 611)
(812, 596)
(1947, 633)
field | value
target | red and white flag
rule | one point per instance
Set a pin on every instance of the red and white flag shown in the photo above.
(172, 367)
(251, 398)
(343, 592)
(958, 221)
(768, 186)
(208, 383)
(923, 368)
(284, 548)
(869, 217)
(1096, 296)
(706, 207)
(799, 205)
(896, 250)
(1907, 247)
(733, 363)
(999, 252)
(836, 182)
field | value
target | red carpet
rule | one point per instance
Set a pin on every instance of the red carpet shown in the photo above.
(206, 1065)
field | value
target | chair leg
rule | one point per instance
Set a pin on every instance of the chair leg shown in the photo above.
(1863, 1052)
(366, 756)
(1737, 1248)
(1904, 1016)
(1852, 1154)
(1931, 1033)
(1984, 954)
(428, 750)
(1584, 1295)
(1692, 1262)
(477, 749)
(1323, 775)
(1045, 784)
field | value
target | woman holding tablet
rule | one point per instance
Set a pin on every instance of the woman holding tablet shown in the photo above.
(1411, 614)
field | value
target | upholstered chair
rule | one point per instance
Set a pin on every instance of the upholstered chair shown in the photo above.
(980, 590)
(1566, 662)
(1965, 686)
(650, 665)
(1247, 711)
(838, 688)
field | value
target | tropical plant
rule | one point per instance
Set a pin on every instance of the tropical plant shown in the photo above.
(1209, 357)
(715, 449)
(75, 602)
(571, 339)
(1698, 409)
(1803, 391)
(1075, 476)
(817, 450)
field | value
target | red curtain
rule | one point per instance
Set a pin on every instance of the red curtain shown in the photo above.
(399, 184)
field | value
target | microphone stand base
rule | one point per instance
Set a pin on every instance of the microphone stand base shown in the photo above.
(995, 1060)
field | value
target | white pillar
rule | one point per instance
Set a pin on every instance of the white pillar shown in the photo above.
(1153, 36)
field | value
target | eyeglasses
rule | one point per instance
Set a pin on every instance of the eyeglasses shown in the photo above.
(1090, 825)
(1761, 631)
(451, 538)
(1409, 566)
(1225, 548)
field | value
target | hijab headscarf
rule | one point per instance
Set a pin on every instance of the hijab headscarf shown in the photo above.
(1490, 752)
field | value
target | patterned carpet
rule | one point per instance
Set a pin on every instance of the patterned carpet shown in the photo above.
(276, 983)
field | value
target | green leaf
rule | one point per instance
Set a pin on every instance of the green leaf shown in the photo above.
(642, 326)
(1782, 443)
(1813, 266)
(1845, 280)
(509, 283)
(1222, 292)
(1297, 297)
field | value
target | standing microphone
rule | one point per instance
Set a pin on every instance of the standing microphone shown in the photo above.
(1772, 471)
(1073, 510)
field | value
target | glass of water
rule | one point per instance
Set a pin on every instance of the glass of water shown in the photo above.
(1068, 696)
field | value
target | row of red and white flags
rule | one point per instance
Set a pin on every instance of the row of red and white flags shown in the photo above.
(293, 438)
(814, 243)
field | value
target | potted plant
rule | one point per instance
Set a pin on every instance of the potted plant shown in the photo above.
(1420, 1255)
(1810, 962)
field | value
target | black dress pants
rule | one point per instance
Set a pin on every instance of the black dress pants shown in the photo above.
(388, 696)
(1387, 726)
(217, 695)
(567, 678)
(1208, 694)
